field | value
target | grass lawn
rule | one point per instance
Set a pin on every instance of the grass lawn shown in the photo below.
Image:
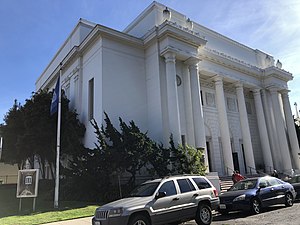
(44, 213)
(47, 217)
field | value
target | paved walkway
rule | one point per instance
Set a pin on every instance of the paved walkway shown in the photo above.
(81, 221)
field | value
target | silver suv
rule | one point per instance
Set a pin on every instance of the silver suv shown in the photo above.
(172, 199)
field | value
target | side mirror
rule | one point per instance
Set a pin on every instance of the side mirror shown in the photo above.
(160, 195)
(262, 185)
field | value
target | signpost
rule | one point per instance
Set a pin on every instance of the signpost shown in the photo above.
(27, 186)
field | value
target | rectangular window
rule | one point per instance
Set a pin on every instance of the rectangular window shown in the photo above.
(185, 185)
(91, 99)
(210, 99)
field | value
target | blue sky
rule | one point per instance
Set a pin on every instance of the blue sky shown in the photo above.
(31, 31)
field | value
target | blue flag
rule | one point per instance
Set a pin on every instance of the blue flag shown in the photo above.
(55, 99)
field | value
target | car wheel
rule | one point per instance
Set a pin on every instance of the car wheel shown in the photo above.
(255, 206)
(139, 220)
(203, 215)
(289, 200)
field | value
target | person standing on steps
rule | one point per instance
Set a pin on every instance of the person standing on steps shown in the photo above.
(236, 176)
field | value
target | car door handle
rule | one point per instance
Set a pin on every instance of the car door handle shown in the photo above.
(272, 189)
(175, 199)
(195, 195)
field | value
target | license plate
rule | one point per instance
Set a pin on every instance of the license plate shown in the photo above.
(222, 206)
(97, 223)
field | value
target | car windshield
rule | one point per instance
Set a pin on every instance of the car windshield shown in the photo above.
(244, 185)
(144, 190)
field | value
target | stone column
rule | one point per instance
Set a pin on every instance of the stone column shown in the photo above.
(200, 137)
(197, 108)
(188, 106)
(272, 132)
(224, 127)
(281, 134)
(291, 129)
(263, 133)
(249, 157)
(172, 97)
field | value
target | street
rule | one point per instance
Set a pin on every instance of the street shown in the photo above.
(275, 215)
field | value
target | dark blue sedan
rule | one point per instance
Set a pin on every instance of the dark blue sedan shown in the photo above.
(254, 193)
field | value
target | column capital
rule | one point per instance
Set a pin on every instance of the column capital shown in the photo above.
(192, 61)
(256, 91)
(285, 92)
(218, 80)
(170, 57)
(273, 89)
(239, 85)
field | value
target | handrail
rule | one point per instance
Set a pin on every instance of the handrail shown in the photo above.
(252, 168)
(227, 170)
(270, 171)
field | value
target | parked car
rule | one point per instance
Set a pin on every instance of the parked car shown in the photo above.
(254, 193)
(295, 181)
(172, 199)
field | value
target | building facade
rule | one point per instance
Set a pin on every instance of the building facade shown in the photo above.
(173, 76)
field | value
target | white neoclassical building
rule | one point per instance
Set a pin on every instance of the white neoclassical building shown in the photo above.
(171, 75)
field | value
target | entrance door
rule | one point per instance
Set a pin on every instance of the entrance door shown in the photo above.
(208, 156)
(235, 158)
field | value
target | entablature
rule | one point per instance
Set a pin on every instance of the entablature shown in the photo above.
(277, 73)
(229, 62)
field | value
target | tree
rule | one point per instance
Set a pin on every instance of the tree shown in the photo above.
(30, 132)
(11, 132)
(126, 150)
(186, 159)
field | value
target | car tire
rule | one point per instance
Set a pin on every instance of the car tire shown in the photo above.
(255, 206)
(139, 220)
(203, 215)
(289, 199)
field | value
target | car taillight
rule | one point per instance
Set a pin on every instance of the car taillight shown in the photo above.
(215, 192)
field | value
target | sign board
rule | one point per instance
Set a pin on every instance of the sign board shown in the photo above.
(28, 183)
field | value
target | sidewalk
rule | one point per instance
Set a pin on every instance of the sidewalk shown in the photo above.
(81, 221)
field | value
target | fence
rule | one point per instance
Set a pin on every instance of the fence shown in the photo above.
(8, 179)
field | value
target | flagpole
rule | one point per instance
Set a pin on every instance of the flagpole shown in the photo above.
(56, 193)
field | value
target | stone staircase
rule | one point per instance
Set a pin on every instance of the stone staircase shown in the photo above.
(225, 183)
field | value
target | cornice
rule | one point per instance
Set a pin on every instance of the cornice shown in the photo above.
(81, 22)
(278, 73)
(172, 29)
(97, 32)
(230, 62)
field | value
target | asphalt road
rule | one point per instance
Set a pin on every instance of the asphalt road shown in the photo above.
(275, 215)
